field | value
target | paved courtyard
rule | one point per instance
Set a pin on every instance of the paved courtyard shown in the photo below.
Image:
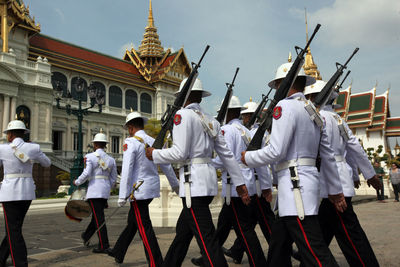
(53, 240)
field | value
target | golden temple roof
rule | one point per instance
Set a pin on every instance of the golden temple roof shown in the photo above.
(310, 68)
(151, 44)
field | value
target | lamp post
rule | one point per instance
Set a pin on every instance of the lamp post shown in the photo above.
(96, 97)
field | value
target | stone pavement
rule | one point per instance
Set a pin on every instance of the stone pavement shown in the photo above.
(53, 240)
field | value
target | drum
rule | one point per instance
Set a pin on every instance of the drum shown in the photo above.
(77, 207)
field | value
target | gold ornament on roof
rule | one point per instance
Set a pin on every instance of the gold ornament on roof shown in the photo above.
(310, 68)
(151, 44)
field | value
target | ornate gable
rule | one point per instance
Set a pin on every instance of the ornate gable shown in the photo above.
(361, 109)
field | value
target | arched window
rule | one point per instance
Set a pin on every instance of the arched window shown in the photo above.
(145, 103)
(100, 87)
(24, 114)
(74, 84)
(61, 79)
(115, 94)
(131, 100)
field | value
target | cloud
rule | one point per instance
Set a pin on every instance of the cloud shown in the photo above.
(123, 48)
(60, 14)
(367, 22)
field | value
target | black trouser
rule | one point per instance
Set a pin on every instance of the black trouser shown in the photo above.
(195, 221)
(244, 220)
(14, 243)
(306, 234)
(380, 192)
(265, 219)
(98, 205)
(396, 189)
(139, 220)
(348, 232)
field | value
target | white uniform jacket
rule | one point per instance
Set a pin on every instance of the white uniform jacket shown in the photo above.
(190, 141)
(294, 136)
(148, 172)
(263, 172)
(235, 142)
(343, 150)
(19, 185)
(100, 181)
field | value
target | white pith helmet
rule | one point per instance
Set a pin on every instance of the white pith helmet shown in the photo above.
(233, 103)
(197, 86)
(100, 137)
(250, 107)
(16, 125)
(134, 115)
(283, 70)
(314, 88)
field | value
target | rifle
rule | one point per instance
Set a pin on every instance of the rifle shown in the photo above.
(224, 106)
(257, 114)
(323, 96)
(280, 94)
(340, 85)
(168, 117)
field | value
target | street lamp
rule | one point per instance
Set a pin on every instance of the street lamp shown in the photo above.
(96, 97)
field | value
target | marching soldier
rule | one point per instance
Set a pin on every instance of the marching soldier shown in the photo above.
(344, 226)
(195, 136)
(251, 107)
(17, 189)
(234, 213)
(135, 167)
(293, 148)
(101, 172)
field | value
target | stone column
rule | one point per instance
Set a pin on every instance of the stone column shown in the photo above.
(13, 109)
(35, 122)
(48, 123)
(6, 112)
(68, 142)
(1, 114)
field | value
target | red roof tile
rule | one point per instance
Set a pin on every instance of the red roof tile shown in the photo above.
(59, 47)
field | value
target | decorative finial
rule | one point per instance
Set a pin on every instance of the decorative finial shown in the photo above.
(376, 84)
(101, 130)
(290, 57)
(16, 116)
(251, 99)
(150, 19)
(131, 109)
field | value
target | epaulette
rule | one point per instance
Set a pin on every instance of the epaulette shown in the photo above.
(139, 139)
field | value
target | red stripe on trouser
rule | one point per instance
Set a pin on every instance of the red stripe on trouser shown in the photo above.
(308, 244)
(201, 237)
(348, 237)
(97, 222)
(241, 232)
(8, 233)
(143, 233)
(262, 212)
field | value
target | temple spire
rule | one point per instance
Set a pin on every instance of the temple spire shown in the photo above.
(310, 68)
(150, 20)
(150, 49)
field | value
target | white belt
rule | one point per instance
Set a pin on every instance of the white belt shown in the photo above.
(99, 177)
(340, 158)
(197, 161)
(18, 175)
(295, 162)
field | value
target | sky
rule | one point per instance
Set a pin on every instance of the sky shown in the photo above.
(255, 35)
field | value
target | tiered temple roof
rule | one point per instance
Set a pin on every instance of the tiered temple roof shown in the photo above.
(367, 110)
(153, 62)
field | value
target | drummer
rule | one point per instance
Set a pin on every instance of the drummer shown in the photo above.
(101, 172)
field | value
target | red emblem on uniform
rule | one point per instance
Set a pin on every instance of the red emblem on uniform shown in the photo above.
(223, 132)
(125, 147)
(177, 119)
(277, 113)
(84, 159)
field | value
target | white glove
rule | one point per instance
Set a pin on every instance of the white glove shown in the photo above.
(121, 202)
(176, 189)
